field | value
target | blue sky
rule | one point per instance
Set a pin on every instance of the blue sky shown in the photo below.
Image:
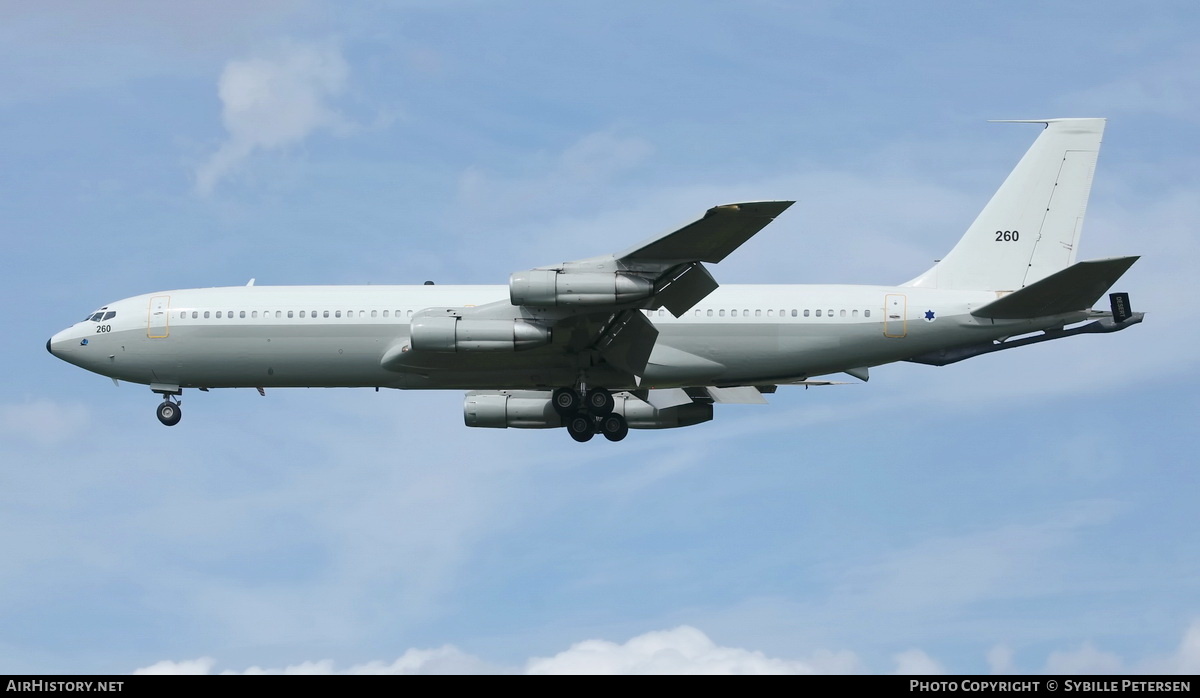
(1028, 511)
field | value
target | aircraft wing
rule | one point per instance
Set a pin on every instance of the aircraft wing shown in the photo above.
(606, 295)
(595, 308)
(719, 232)
(665, 271)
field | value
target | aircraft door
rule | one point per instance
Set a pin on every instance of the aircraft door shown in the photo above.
(894, 322)
(157, 321)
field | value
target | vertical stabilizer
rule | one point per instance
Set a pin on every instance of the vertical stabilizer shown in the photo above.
(1030, 228)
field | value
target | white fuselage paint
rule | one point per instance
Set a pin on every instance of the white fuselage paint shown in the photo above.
(261, 340)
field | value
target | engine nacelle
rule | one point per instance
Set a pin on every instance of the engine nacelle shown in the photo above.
(548, 288)
(643, 415)
(450, 334)
(533, 410)
(502, 410)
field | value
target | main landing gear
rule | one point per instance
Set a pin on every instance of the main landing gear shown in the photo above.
(169, 412)
(589, 413)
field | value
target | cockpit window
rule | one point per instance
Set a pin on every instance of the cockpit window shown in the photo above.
(96, 317)
(109, 315)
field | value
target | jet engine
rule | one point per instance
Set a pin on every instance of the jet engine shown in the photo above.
(532, 409)
(451, 334)
(549, 288)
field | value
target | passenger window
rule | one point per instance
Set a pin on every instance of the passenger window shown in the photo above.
(205, 314)
(661, 312)
(866, 313)
(410, 313)
(854, 313)
(241, 313)
(842, 313)
(710, 313)
(697, 313)
(278, 314)
(218, 314)
(746, 312)
(253, 313)
(818, 312)
(290, 314)
(770, 313)
(758, 312)
(793, 312)
(314, 315)
(831, 313)
(337, 313)
(385, 313)
(301, 313)
(362, 313)
(806, 312)
(374, 313)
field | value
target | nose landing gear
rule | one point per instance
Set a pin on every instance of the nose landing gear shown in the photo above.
(169, 412)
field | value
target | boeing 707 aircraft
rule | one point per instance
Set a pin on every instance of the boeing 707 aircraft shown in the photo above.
(641, 339)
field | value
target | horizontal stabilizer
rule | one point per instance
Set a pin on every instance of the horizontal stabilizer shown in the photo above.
(721, 231)
(1075, 288)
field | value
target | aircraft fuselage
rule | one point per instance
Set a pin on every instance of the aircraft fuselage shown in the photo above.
(337, 336)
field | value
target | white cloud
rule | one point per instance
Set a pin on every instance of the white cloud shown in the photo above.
(687, 650)
(683, 650)
(272, 102)
(443, 660)
(916, 662)
(188, 667)
(1185, 659)
(44, 421)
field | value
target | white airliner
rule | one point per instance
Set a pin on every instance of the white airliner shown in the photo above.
(641, 339)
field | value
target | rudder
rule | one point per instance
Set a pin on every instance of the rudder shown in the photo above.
(1030, 228)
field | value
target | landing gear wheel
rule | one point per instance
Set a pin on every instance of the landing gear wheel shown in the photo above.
(581, 426)
(566, 401)
(169, 413)
(614, 427)
(599, 402)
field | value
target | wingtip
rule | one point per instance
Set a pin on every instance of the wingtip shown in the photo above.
(773, 207)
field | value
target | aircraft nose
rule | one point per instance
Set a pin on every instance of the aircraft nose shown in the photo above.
(56, 344)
